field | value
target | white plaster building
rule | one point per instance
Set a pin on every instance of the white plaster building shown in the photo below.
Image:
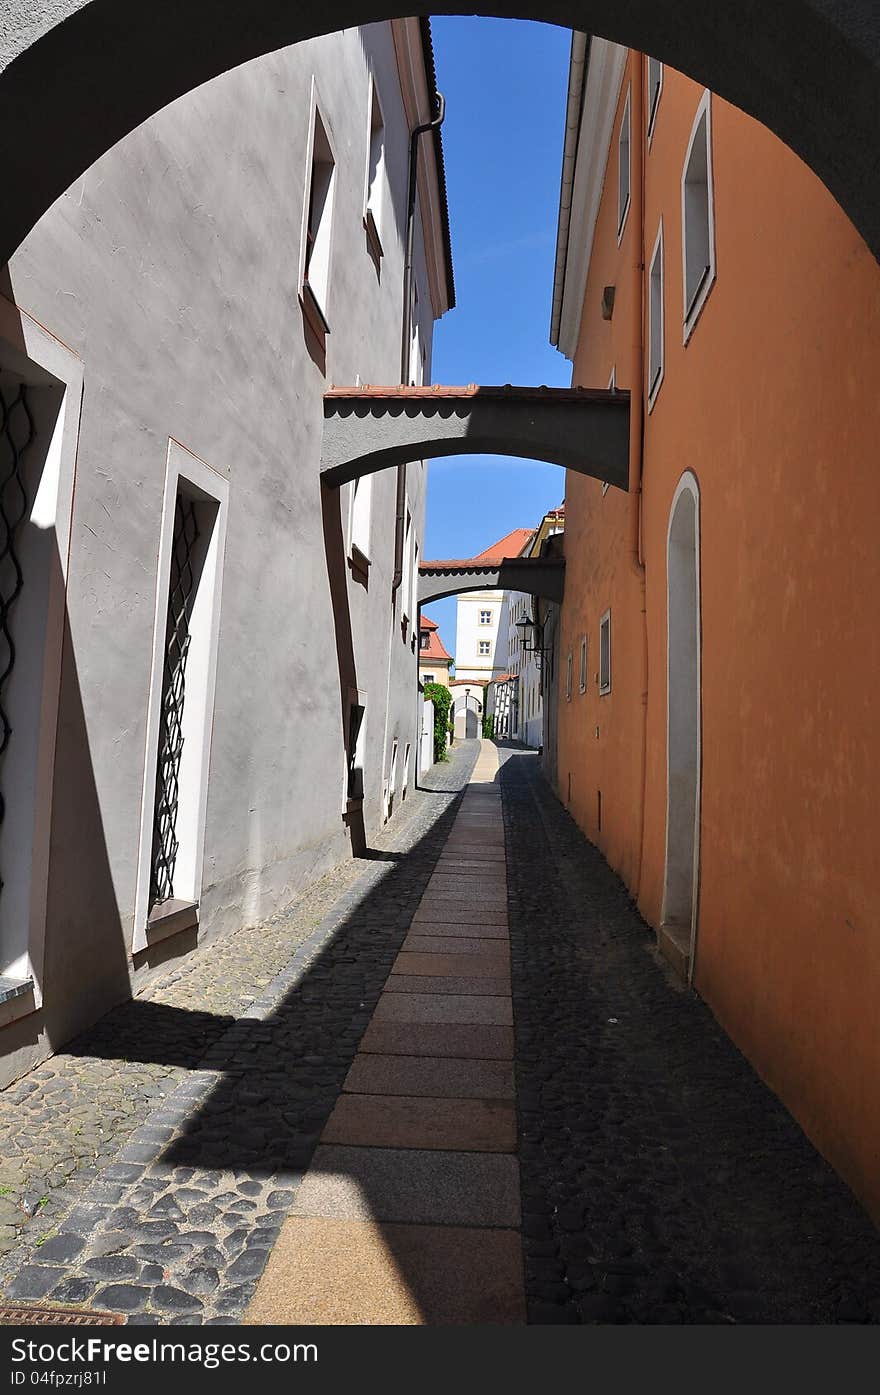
(520, 699)
(213, 693)
(481, 637)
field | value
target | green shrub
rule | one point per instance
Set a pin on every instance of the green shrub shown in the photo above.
(489, 727)
(442, 700)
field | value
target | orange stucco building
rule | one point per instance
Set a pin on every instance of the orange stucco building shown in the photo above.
(725, 751)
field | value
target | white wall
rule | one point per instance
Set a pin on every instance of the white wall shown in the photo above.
(171, 271)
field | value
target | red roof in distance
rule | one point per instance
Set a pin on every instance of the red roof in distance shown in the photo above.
(436, 651)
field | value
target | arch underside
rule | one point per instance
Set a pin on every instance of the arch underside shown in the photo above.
(366, 430)
(532, 576)
(78, 75)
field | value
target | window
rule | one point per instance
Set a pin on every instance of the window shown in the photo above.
(415, 349)
(191, 546)
(407, 586)
(655, 320)
(623, 167)
(355, 748)
(429, 678)
(697, 218)
(359, 528)
(485, 617)
(392, 783)
(424, 639)
(40, 396)
(605, 653)
(315, 259)
(612, 383)
(568, 678)
(484, 646)
(406, 752)
(374, 208)
(655, 87)
(584, 664)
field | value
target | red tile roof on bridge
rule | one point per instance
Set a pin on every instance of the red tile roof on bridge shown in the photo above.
(434, 390)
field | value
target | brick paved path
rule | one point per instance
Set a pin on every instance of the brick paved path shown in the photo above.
(661, 1180)
(165, 1144)
(410, 1210)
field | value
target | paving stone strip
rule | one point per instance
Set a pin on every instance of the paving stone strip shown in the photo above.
(662, 1182)
(410, 1210)
(182, 1123)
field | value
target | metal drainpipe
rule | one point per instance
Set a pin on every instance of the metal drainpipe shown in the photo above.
(407, 322)
(636, 407)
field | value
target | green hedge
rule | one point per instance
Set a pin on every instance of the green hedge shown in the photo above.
(442, 700)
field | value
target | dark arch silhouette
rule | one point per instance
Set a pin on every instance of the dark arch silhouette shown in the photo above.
(78, 75)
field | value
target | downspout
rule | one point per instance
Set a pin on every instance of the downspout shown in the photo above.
(637, 414)
(406, 330)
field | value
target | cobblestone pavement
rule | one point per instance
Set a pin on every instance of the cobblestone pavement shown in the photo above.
(148, 1167)
(662, 1182)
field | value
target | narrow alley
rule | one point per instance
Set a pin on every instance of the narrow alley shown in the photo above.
(401, 1123)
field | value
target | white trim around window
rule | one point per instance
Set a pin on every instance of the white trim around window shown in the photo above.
(655, 91)
(697, 217)
(185, 473)
(656, 319)
(624, 166)
(612, 383)
(53, 376)
(605, 654)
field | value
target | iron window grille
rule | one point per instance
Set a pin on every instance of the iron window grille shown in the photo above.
(16, 436)
(181, 592)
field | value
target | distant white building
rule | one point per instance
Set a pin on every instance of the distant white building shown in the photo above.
(518, 699)
(481, 637)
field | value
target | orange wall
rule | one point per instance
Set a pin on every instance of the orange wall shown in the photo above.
(774, 405)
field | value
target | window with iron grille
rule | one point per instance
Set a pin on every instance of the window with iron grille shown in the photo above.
(16, 436)
(181, 593)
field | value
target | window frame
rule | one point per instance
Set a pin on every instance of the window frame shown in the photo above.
(314, 299)
(583, 673)
(612, 383)
(484, 648)
(692, 309)
(623, 206)
(202, 482)
(652, 104)
(485, 622)
(605, 678)
(655, 376)
(374, 189)
(568, 664)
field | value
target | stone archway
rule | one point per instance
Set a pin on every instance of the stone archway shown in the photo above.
(78, 75)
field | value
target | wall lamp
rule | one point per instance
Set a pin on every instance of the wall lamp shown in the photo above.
(532, 637)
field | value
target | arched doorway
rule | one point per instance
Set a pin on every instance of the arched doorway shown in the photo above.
(683, 719)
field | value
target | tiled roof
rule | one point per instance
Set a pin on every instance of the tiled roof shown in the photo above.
(426, 623)
(511, 545)
(432, 390)
(431, 74)
(435, 650)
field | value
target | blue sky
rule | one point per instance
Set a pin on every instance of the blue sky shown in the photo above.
(505, 87)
